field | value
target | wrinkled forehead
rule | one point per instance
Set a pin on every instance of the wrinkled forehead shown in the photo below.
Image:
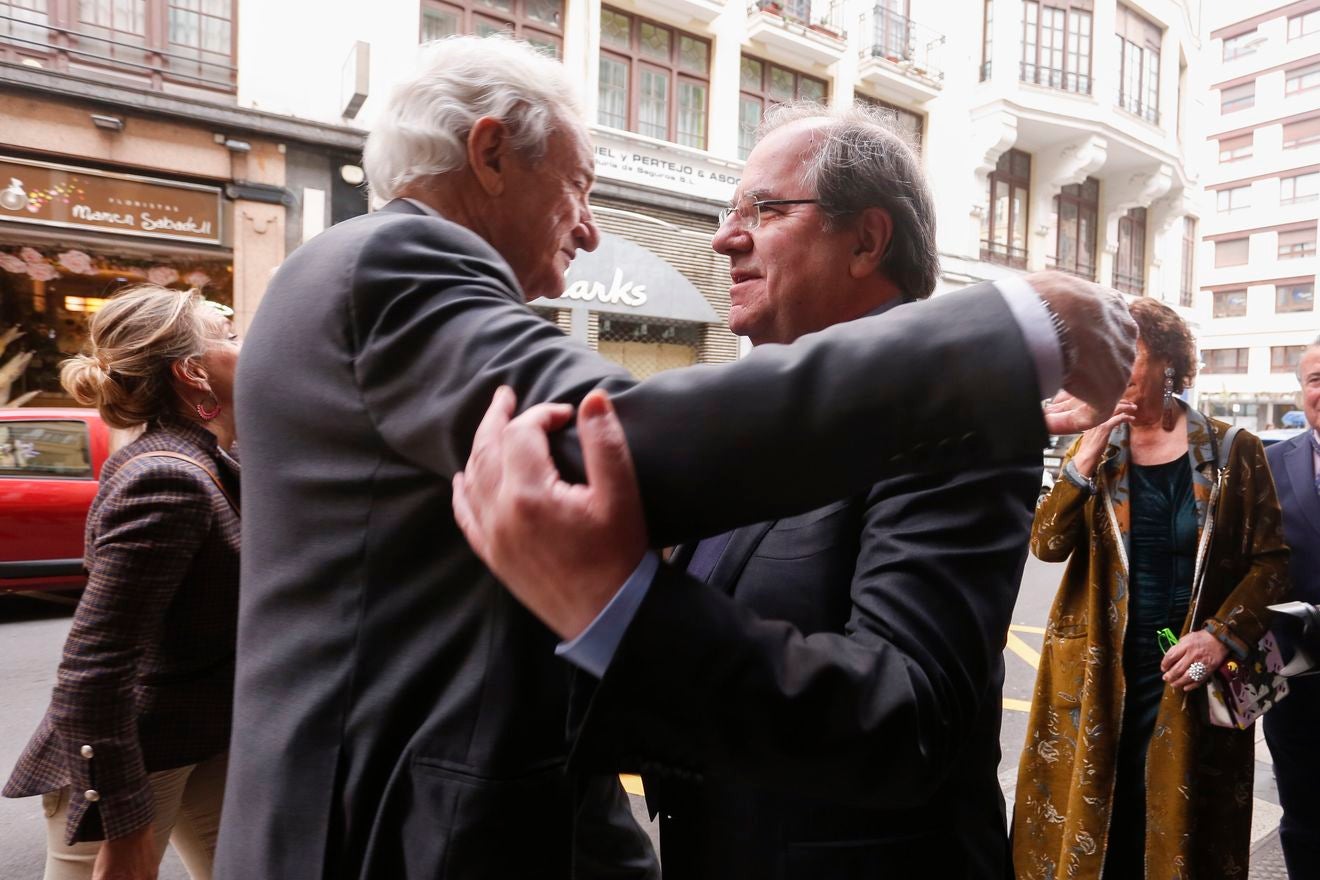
(569, 147)
(777, 166)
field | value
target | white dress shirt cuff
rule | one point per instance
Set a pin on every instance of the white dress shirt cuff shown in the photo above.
(1038, 331)
(594, 647)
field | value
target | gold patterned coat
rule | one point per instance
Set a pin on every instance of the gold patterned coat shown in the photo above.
(1199, 777)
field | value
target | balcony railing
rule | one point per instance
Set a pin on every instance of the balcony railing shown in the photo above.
(1064, 80)
(1135, 106)
(820, 15)
(1073, 267)
(903, 41)
(1133, 284)
(1003, 254)
(76, 51)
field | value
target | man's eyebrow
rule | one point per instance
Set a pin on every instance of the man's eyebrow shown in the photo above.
(756, 194)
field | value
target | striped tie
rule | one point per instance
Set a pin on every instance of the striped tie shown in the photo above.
(1315, 455)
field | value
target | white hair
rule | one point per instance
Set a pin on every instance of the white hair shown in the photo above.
(458, 80)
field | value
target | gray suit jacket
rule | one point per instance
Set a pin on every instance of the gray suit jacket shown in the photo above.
(397, 714)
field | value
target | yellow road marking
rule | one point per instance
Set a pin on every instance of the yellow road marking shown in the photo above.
(1023, 650)
(632, 784)
(1017, 705)
(1023, 628)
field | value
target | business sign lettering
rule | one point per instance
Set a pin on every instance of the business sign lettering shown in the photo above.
(45, 194)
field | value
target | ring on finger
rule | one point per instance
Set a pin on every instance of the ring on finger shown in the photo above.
(1197, 671)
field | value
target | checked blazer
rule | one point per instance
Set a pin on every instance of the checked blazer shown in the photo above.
(146, 680)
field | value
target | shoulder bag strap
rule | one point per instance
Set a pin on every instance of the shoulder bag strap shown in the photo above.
(188, 458)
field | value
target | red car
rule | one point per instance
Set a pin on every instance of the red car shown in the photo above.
(50, 461)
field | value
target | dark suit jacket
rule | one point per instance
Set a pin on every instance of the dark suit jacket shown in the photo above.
(148, 667)
(398, 714)
(1292, 465)
(830, 707)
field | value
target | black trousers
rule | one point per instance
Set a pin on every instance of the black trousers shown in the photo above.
(1292, 730)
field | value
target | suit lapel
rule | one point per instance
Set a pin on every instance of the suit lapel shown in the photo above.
(741, 548)
(1298, 466)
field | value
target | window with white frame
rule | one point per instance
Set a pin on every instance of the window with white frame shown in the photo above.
(1225, 360)
(1056, 44)
(1242, 44)
(654, 79)
(1286, 358)
(539, 22)
(1297, 243)
(1004, 224)
(1130, 258)
(1302, 78)
(762, 85)
(1232, 252)
(1294, 297)
(1239, 97)
(1138, 64)
(1299, 188)
(1300, 133)
(1231, 149)
(1234, 199)
(1301, 25)
(1230, 303)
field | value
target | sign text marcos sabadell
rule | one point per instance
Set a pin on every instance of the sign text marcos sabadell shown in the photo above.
(45, 194)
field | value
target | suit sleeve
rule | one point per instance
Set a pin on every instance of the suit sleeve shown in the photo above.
(933, 385)
(873, 716)
(148, 530)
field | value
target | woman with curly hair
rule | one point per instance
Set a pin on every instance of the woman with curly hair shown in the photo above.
(131, 752)
(1122, 775)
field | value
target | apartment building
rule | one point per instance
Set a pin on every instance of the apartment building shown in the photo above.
(1256, 305)
(1054, 134)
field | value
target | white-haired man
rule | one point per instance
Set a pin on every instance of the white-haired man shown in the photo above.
(397, 713)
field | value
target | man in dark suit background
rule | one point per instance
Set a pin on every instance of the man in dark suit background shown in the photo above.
(1292, 725)
(397, 713)
(862, 738)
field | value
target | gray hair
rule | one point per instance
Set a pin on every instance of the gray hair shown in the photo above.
(1314, 344)
(424, 128)
(862, 161)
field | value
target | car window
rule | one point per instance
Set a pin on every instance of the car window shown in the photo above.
(45, 449)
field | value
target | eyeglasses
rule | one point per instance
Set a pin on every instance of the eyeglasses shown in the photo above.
(748, 211)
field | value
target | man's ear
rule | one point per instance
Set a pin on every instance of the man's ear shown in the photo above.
(488, 153)
(874, 229)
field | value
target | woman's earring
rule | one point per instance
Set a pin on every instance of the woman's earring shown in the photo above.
(1170, 408)
(206, 413)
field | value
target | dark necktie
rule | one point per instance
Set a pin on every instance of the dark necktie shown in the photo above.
(707, 556)
(1315, 451)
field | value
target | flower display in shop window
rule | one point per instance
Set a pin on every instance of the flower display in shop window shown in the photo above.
(197, 278)
(162, 275)
(11, 263)
(76, 262)
(31, 255)
(42, 271)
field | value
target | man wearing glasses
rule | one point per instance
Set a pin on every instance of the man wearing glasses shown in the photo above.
(829, 704)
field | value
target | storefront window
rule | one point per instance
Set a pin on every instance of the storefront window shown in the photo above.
(48, 293)
(646, 346)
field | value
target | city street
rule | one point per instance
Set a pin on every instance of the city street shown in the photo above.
(32, 633)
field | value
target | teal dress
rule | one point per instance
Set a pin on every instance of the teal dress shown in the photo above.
(1162, 561)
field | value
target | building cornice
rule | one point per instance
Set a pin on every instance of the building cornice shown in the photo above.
(227, 118)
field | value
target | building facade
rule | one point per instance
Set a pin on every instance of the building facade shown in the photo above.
(129, 153)
(1053, 132)
(1262, 158)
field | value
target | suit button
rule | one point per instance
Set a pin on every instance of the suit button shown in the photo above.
(91, 795)
(86, 752)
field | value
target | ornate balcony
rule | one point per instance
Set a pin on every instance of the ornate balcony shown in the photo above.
(901, 56)
(807, 31)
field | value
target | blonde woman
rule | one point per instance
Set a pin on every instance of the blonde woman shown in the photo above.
(131, 752)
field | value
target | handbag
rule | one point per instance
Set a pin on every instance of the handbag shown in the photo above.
(1239, 692)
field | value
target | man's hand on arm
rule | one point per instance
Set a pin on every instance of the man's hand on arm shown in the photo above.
(563, 550)
(1101, 340)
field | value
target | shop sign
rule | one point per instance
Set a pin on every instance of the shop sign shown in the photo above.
(626, 278)
(671, 168)
(45, 194)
